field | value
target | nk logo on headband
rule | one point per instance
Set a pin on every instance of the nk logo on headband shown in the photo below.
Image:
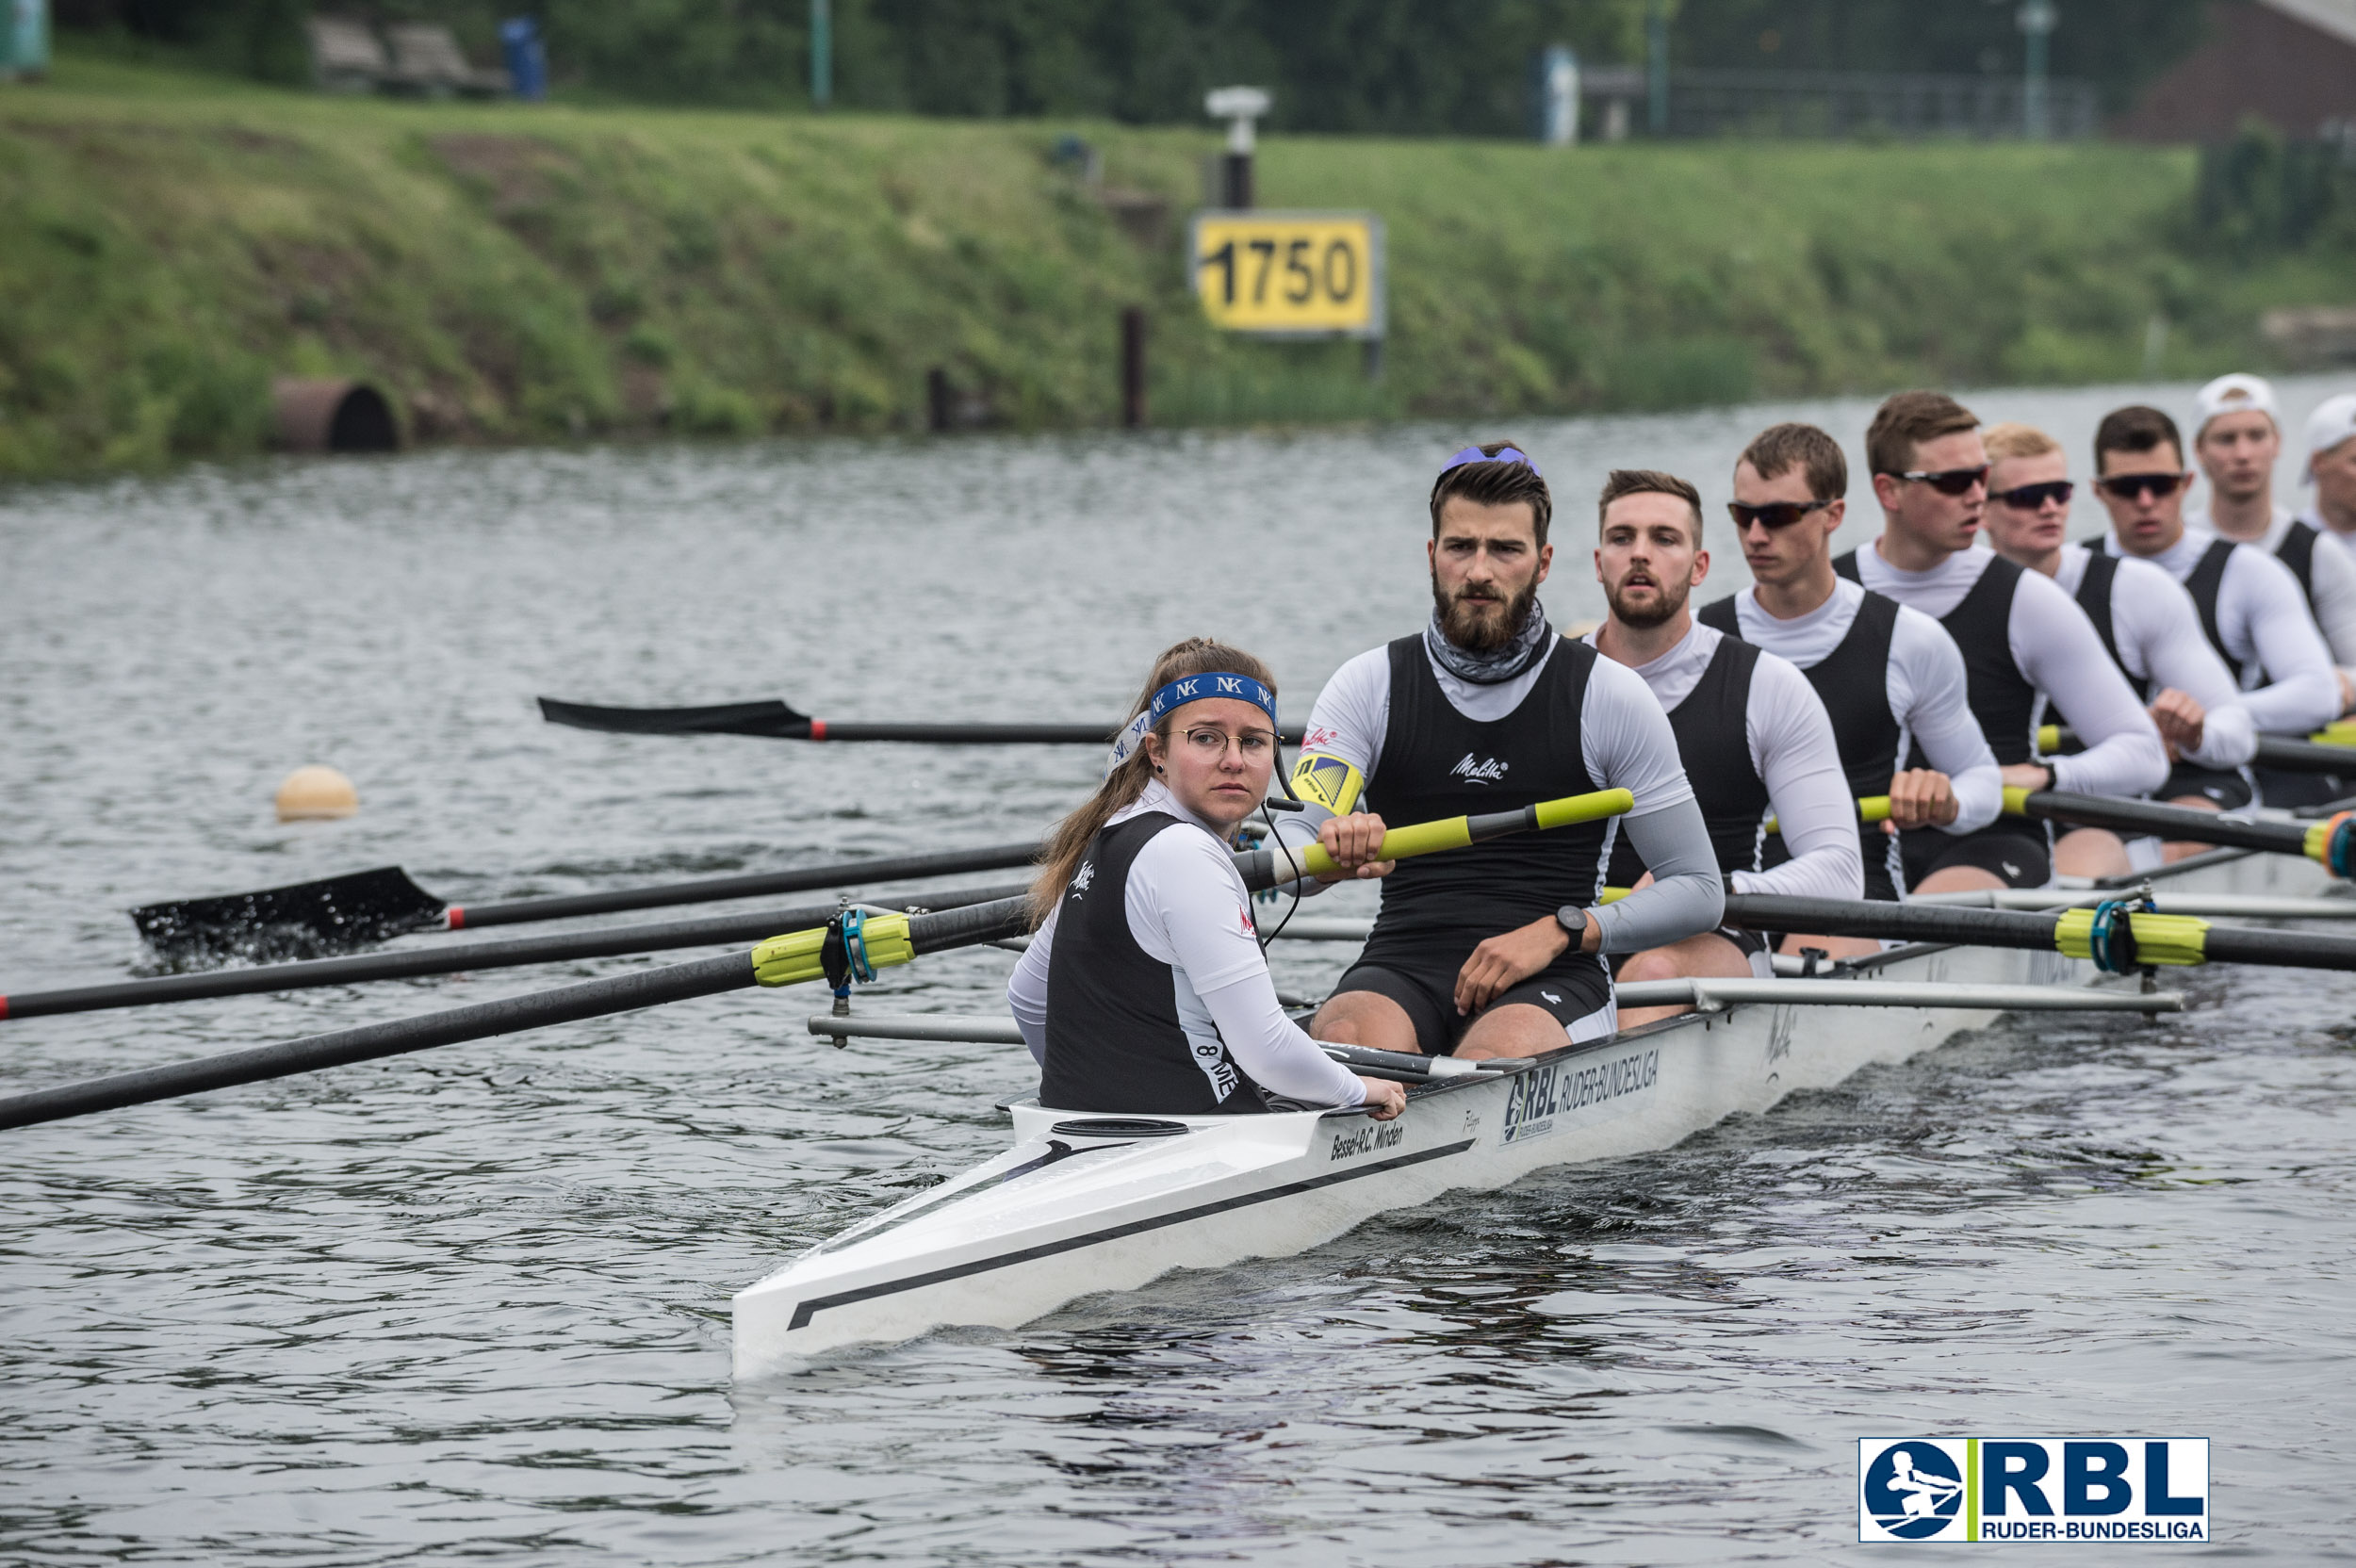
(2046, 1489)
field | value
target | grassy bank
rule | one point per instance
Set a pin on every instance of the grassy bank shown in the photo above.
(513, 273)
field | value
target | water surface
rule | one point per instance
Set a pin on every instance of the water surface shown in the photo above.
(471, 1305)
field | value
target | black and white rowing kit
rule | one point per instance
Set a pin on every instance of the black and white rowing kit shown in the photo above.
(1570, 723)
(2023, 640)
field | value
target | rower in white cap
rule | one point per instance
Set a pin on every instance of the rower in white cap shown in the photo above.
(2236, 438)
(2332, 470)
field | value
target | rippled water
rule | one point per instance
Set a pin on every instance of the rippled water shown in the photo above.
(471, 1305)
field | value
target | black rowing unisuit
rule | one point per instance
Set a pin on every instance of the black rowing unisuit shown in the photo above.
(1437, 763)
(1114, 1041)
(1999, 695)
(1712, 727)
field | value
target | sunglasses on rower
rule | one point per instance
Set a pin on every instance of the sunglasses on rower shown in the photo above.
(2029, 498)
(2128, 486)
(1772, 515)
(1948, 481)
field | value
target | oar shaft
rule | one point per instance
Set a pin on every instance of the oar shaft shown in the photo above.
(453, 958)
(342, 1047)
(2143, 816)
(2160, 937)
(2326, 751)
(753, 885)
(1428, 838)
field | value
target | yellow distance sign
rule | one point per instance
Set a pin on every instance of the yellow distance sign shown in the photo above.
(1299, 273)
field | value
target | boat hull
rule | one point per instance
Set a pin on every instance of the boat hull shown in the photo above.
(1082, 1205)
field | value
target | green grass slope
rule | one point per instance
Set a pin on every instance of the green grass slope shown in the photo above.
(512, 273)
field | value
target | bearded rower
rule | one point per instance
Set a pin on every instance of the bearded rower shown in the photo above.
(1498, 950)
(1144, 990)
(2026, 645)
(1750, 729)
(2250, 609)
(1889, 677)
(2152, 631)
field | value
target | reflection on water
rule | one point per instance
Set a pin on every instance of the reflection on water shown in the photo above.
(472, 1303)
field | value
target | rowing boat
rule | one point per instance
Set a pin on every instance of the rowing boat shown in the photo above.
(1080, 1204)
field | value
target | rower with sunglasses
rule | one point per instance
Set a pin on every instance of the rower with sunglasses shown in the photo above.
(1889, 677)
(2026, 645)
(1754, 736)
(1498, 950)
(2250, 608)
(2152, 631)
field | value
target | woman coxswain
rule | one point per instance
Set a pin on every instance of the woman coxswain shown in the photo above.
(1144, 990)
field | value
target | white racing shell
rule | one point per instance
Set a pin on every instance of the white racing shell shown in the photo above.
(1085, 1204)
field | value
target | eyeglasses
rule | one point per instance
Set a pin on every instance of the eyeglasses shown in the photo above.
(2029, 498)
(1208, 743)
(1773, 515)
(2128, 486)
(1949, 482)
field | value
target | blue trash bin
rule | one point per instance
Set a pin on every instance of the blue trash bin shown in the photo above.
(527, 57)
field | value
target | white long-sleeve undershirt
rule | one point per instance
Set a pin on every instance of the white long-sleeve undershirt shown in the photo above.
(2158, 631)
(1925, 686)
(2261, 618)
(2055, 650)
(2333, 572)
(1788, 736)
(1625, 742)
(1187, 907)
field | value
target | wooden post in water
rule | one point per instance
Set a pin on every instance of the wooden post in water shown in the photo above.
(937, 400)
(1133, 368)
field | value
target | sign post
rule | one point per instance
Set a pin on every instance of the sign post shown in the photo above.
(1291, 274)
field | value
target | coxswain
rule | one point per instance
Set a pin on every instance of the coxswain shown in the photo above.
(2026, 645)
(1499, 949)
(2152, 631)
(2236, 438)
(1889, 677)
(2250, 605)
(1144, 990)
(1751, 731)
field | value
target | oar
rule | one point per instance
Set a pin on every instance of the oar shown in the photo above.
(853, 946)
(2330, 842)
(2116, 938)
(2313, 754)
(454, 958)
(341, 914)
(775, 721)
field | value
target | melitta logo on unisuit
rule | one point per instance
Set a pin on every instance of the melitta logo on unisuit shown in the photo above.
(2112, 1489)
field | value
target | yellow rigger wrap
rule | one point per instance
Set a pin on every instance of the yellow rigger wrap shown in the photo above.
(2159, 939)
(792, 958)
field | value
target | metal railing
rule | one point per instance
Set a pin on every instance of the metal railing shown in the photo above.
(1832, 104)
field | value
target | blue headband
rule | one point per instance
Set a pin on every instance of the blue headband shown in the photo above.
(1506, 454)
(1187, 688)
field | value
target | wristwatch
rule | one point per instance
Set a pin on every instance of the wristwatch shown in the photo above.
(1573, 918)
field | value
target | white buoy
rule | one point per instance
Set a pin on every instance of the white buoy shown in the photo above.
(317, 793)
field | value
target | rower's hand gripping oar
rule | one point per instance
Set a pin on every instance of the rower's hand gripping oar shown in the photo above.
(2332, 749)
(773, 720)
(828, 952)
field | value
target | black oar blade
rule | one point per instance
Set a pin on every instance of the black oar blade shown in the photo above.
(771, 718)
(308, 919)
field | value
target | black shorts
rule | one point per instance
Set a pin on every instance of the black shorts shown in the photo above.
(1422, 978)
(2014, 853)
(2288, 792)
(2224, 787)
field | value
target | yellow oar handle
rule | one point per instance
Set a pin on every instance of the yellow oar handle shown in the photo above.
(2049, 738)
(1429, 838)
(2159, 939)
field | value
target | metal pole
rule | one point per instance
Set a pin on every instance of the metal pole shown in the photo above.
(821, 53)
(1656, 66)
(2037, 20)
